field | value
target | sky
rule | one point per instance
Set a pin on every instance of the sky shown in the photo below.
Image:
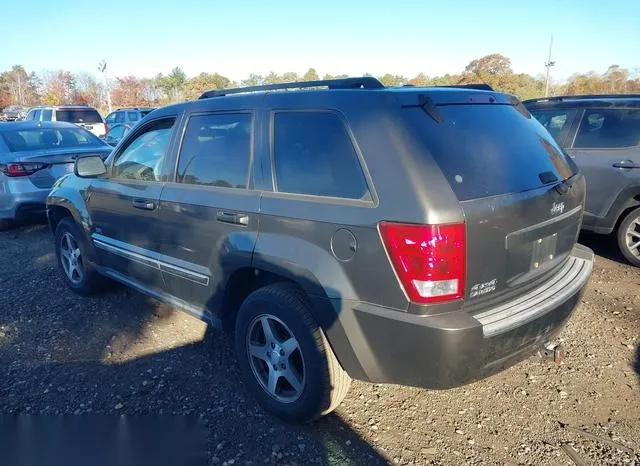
(235, 38)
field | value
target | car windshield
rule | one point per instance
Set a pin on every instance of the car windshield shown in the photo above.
(49, 139)
(80, 115)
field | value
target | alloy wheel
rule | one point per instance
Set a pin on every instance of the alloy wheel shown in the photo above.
(275, 358)
(632, 237)
(71, 258)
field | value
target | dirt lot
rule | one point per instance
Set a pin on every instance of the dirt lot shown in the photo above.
(122, 353)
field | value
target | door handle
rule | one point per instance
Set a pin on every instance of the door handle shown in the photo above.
(233, 217)
(144, 204)
(626, 165)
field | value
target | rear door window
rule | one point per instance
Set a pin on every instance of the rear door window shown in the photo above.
(46, 114)
(80, 115)
(487, 150)
(611, 128)
(313, 154)
(556, 121)
(216, 150)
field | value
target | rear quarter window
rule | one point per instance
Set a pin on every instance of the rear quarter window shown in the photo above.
(313, 154)
(488, 150)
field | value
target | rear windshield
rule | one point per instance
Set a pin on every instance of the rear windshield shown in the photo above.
(486, 150)
(49, 139)
(80, 115)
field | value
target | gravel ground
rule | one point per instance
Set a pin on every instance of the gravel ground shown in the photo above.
(121, 353)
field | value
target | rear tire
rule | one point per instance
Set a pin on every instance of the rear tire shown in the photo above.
(74, 259)
(318, 382)
(629, 237)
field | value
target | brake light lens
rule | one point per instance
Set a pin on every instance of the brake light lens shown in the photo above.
(15, 169)
(429, 260)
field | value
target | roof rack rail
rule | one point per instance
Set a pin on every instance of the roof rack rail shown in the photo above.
(479, 86)
(365, 82)
(560, 98)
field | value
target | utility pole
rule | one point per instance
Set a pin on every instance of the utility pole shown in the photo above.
(102, 67)
(548, 64)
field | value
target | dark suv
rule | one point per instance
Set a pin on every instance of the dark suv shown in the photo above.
(602, 134)
(419, 236)
(127, 116)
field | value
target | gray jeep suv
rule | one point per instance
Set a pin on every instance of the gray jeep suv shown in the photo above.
(602, 134)
(418, 236)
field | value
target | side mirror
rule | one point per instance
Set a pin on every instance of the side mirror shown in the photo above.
(89, 167)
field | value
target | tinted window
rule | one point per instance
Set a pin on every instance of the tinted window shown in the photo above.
(111, 118)
(46, 114)
(486, 150)
(133, 116)
(313, 154)
(216, 150)
(142, 157)
(120, 117)
(43, 139)
(144, 113)
(36, 115)
(30, 115)
(555, 120)
(80, 115)
(608, 129)
(116, 132)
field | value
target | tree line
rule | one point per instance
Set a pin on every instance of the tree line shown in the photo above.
(56, 87)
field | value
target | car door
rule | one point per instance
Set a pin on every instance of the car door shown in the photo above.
(123, 206)
(606, 150)
(209, 212)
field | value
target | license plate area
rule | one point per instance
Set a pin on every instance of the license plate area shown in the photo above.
(543, 250)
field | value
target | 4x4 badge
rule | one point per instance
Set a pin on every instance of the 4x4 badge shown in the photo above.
(557, 208)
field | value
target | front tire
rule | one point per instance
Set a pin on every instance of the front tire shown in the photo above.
(629, 237)
(285, 358)
(73, 257)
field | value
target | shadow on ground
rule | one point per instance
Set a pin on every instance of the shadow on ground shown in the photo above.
(603, 245)
(61, 354)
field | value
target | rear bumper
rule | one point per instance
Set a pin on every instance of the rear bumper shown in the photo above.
(452, 349)
(20, 197)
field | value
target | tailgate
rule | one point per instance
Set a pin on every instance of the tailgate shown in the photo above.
(513, 239)
(521, 196)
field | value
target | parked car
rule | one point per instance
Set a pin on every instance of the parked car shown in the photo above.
(129, 116)
(417, 236)
(82, 115)
(32, 156)
(602, 134)
(116, 133)
(13, 113)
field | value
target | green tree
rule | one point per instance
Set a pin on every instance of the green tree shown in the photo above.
(19, 87)
(390, 80)
(172, 84)
(311, 75)
(252, 80)
(272, 78)
(204, 82)
(290, 77)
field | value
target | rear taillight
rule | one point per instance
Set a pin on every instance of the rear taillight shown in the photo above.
(15, 169)
(106, 128)
(430, 260)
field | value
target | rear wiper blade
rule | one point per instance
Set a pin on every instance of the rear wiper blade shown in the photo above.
(430, 109)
